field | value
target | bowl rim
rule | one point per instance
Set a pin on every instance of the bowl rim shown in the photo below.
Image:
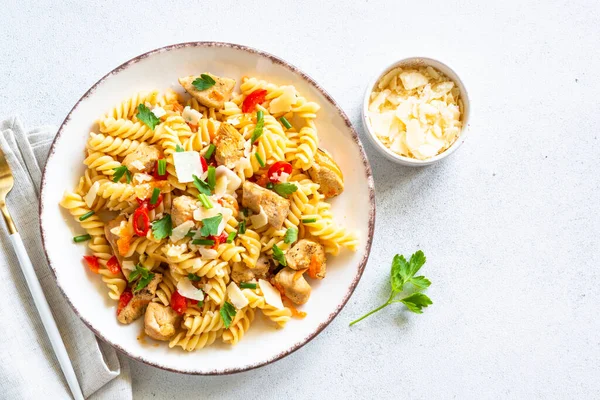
(355, 138)
(407, 161)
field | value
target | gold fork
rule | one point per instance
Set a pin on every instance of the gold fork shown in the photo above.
(6, 185)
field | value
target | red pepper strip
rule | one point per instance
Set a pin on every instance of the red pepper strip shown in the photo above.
(204, 164)
(278, 168)
(92, 263)
(113, 265)
(125, 298)
(147, 205)
(254, 98)
(178, 303)
(140, 216)
(222, 238)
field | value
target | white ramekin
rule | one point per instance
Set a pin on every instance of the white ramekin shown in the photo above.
(465, 108)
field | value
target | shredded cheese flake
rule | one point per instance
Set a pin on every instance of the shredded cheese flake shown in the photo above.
(416, 112)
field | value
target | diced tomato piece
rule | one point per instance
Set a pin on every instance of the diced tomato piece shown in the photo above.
(113, 265)
(125, 298)
(222, 238)
(93, 263)
(254, 98)
(178, 303)
(278, 168)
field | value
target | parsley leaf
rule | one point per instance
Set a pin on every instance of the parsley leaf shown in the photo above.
(285, 189)
(416, 302)
(144, 275)
(146, 116)
(227, 312)
(202, 186)
(179, 149)
(258, 129)
(204, 82)
(162, 228)
(119, 172)
(279, 256)
(193, 277)
(401, 273)
(291, 235)
(210, 226)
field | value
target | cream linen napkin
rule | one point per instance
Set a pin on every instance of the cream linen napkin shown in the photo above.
(28, 367)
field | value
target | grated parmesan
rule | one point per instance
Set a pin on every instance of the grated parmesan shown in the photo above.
(416, 112)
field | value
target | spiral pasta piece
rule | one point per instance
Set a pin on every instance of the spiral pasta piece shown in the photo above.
(239, 327)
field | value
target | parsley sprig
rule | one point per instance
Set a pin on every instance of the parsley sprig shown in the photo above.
(147, 116)
(227, 312)
(291, 235)
(210, 226)
(285, 189)
(204, 82)
(402, 273)
(162, 228)
(279, 256)
(144, 275)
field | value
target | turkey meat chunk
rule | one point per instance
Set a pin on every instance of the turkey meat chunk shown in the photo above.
(160, 322)
(143, 159)
(215, 96)
(275, 206)
(327, 174)
(229, 145)
(309, 255)
(182, 209)
(137, 305)
(243, 273)
(295, 287)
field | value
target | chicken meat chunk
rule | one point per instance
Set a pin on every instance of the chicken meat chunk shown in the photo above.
(295, 287)
(243, 273)
(275, 206)
(327, 174)
(137, 305)
(182, 209)
(229, 146)
(160, 322)
(309, 255)
(143, 159)
(215, 96)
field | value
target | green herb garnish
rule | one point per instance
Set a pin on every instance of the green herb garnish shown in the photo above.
(119, 172)
(285, 189)
(402, 273)
(285, 122)
(81, 238)
(258, 129)
(259, 159)
(203, 242)
(242, 228)
(209, 152)
(144, 275)
(227, 312)
(147, 117)
(210, 226)
(201, 185)
(211, 178)
(179, 149)
(86, 215)
(247, 285)
(231, 236)
(204, 82)
(205, 201)
(162, 228)
(308, 220)
(155, 194)
(193, 277)
(162, 167)
(279, 256)
(291, 235)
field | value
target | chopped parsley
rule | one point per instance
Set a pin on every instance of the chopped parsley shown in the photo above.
(204, 82)
(279, 256)
(147, 117)
(227, 312)
(119, 172)
(162, 228)
(285, 189)
(210, 226)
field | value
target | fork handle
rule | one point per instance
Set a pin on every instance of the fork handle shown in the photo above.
(46, 315)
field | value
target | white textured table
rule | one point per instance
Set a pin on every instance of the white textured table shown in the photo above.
(510, 223)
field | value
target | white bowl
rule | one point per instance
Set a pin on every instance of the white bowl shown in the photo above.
(159, 69)
(465, 108)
